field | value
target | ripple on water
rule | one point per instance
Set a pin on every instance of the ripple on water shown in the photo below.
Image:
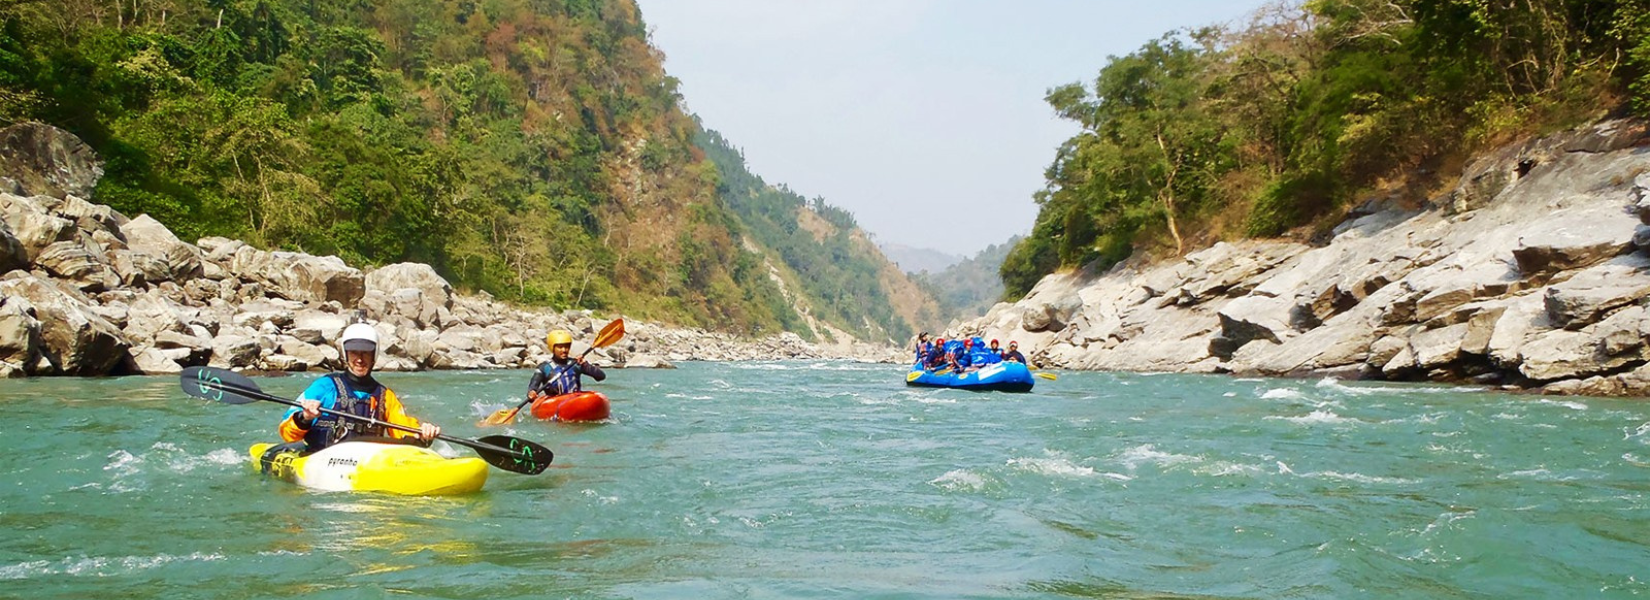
(99, 566)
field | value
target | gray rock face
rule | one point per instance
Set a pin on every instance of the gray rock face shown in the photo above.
(431, 286)
(300, 277)
(32, 227)
(73, 339)
(19, 335)
(148, 238)
(1528, 274)
(41, 160)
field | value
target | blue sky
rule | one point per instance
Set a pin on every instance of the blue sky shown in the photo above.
(924, 118)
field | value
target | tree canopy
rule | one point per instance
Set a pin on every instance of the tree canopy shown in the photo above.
(534, 149)
(1273, 128)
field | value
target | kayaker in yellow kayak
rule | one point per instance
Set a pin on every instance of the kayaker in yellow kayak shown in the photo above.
(353, 391)
(561, 375)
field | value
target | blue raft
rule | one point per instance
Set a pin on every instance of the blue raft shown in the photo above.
(998, 377)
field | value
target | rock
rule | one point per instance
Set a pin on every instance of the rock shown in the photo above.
(1437, 348)
(310, 355)
(151, 314)
(74, 341)
(147, 237)
(1585, 297)
(301, 277)
(328, 325)
(462, 338)
(417, 276)
(648, 361)
(1255, 318)
(152, 361)
(19, 333)
(96, 219)
(196, 350)
(73, 262)
(1573, 240)
(12, 254)
(31, 227)
(234, 351)
(38, 159)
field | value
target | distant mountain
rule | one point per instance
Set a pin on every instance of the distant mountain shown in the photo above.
(917, 260)
(830, 276)
(969, 288)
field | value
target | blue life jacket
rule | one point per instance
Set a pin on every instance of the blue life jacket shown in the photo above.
(559, 379)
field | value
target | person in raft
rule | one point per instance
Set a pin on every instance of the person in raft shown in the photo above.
(353, 391)
(962, 358)
(1013, 353)
(996, 352)
(923, 347)
(936, 355)
(561, 375)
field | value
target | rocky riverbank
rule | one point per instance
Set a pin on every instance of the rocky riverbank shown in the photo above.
(1531, 273)
(87, 291)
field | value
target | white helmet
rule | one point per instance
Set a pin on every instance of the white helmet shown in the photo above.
(359, 337)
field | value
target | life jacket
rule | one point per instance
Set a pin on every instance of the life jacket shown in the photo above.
(330, 429)
(560, 379)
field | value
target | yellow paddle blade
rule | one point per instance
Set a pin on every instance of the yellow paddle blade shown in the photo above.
(609, 334)
(1048, 376)
(943, 371)
(504, 415)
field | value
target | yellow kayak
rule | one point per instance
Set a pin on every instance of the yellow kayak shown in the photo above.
(374, 467)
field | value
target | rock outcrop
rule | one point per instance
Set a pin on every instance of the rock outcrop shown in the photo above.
(1531, 274)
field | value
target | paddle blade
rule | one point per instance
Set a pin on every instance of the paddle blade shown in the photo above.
(1048, 376)
(515, 454)
(609, 334)
(499, 417)
(217, 384)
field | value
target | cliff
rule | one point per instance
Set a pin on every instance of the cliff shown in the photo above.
(1529, 273)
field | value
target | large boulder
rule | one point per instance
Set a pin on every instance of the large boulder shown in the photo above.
(32, 226)
(73, 262)
(74, 340)
(147, 237)
(38, 159)
(418, 276)
(12, 254)
(297, 276)
(19, 335)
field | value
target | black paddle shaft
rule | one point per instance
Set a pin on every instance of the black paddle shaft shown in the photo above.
(518, 455)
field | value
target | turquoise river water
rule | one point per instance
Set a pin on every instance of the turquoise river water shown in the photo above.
(833, 480)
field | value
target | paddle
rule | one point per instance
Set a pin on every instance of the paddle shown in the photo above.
(609, 334)
(912, 376)
(509, 453)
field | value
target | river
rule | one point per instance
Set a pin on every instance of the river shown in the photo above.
(834, 480)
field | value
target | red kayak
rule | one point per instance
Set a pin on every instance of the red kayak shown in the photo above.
(577, 406)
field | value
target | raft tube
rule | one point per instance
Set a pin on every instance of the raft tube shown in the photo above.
(373, 467)
(577, 406)
(999, 377)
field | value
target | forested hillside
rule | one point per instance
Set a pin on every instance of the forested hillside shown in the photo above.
(534, 149)
(1278, 127)
(969, 288)
(824, 253)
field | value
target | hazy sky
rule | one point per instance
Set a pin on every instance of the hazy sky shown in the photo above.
(924, 118)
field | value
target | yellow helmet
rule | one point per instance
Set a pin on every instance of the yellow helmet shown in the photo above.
(559, 336)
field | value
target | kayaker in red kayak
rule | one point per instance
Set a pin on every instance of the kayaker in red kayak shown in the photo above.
(353, 391)
(561, 375)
